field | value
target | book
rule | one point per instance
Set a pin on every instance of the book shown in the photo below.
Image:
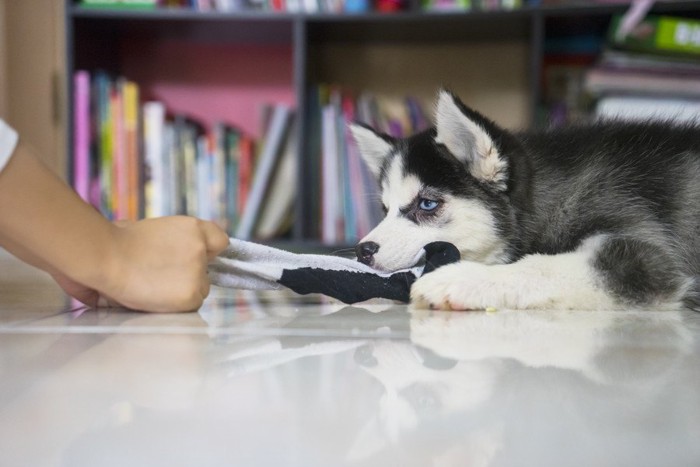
(277, 211)
(599, 81)
(246, 163)
(154, 159)
(232, 151)
(171, 169)
(81, 138)
(133, 162)
(103, 154)
(331, 214)
(118, 193)
(121, 4)
(645, 62)
(348, 206)
(271, 150)
(638, 108)
(659, 34)
(446, 5)
(313, 140)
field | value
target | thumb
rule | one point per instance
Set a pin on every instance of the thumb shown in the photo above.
(215, 239)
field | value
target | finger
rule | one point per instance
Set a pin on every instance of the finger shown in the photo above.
(215, 238)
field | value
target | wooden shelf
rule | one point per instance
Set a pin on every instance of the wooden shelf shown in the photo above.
(97, 38)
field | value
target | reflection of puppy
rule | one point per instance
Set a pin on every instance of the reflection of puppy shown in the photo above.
(492, 388)
(590, 343)
(597, 217)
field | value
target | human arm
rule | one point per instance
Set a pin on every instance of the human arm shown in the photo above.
(151, 265)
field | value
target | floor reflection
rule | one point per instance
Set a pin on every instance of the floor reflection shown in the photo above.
(268, 380)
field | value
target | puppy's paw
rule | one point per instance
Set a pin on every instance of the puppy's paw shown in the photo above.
(459, 286)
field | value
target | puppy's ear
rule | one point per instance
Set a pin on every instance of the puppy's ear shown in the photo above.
(464, 134)
(374, 148)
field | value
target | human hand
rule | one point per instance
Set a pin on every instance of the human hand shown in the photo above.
(157, 264)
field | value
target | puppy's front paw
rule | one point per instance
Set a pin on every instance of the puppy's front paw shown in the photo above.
(451, 287)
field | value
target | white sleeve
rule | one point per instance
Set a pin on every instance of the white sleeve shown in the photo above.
(8, 141)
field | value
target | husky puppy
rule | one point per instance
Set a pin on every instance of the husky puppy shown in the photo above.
(604, 216)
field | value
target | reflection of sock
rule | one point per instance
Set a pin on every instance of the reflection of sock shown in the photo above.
(247, 265)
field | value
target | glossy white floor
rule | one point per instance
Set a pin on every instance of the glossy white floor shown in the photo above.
(278, 380)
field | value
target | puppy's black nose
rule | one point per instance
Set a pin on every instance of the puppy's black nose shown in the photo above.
(365, 252)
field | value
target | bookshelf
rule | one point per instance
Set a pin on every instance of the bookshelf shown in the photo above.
(492, 58)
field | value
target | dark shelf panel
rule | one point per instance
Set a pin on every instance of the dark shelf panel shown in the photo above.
(420, 27)
(186, 25)
(586, 8)
(178, 14)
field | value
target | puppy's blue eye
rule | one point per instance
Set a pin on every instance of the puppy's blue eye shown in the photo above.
(428, 204)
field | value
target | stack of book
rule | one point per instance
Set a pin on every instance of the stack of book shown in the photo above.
(289, 6)
(466, 5)
(107, 171)
(347, 203)
(122, 4)
(134, 160)
(651, 72)
(565, 63)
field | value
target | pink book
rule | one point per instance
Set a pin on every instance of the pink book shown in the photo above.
(119, 180)
(81, 135)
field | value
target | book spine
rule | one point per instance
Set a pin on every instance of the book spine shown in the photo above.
(106, 136)
(329, 165)
(119, 192)
(154, 159)
(81, 165)
(132, 156)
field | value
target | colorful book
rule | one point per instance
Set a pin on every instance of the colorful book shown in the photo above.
(119, 180)
(133, 161)
(232, 145)
(661, 34)
(81, 138)
(121, 4)
(104, 151)
(246, 163)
